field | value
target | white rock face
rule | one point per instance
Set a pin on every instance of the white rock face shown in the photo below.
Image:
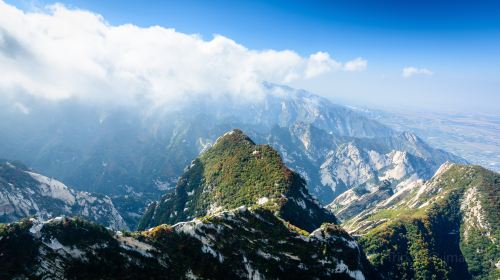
(346, 198)
(53, 188)
(355, 210)
(347, 166)
(400, 177)
(443, 168)
(397, 165)
(352, 167)
(31, 194)
(473, 215)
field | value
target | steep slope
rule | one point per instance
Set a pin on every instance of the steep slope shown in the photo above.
(332, 163)
(237, 244)
(133, 154)
(24, 193)
(447, 228)
(235, 172)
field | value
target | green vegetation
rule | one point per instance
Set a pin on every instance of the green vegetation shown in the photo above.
(18, 250)
(481, 247)
(436, 240)
(242, 172)
(406, 250)
(236, 172)
(235, 244)
(275, 247)
(76, 232)
(392, 214)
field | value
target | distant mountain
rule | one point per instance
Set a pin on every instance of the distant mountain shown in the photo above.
(474, 137)
(235, 172)
(134, 154)
(24, 193)
(333, 164)
(446, 228)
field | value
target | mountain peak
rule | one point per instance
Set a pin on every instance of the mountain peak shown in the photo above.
(443, 168)
(236, 172)
(234, 137)
(454, 213)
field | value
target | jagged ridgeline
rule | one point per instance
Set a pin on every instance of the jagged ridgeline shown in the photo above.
(448, 228)
(24, 193)
(236, 244)
(235, 172)
(239, 213)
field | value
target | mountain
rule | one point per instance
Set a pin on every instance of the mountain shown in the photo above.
(236, 244)
(446, 228)
(237, 212)
(471, 136)
(135, 153)
(334, 164)
(24, 193)
(235, 172)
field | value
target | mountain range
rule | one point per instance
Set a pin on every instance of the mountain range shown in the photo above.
(239, 212)
(198, 190)
(134, 154)
(245, 216)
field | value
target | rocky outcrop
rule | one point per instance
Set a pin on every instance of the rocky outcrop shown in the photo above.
(24, 193)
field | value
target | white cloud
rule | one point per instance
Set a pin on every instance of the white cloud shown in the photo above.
(412, 71)
(59, 53)
(320, 63)
(358, 64)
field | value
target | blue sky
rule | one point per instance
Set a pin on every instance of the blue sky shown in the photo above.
(458, 41)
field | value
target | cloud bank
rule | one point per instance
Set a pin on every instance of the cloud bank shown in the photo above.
(59, 53)
(408, 72)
